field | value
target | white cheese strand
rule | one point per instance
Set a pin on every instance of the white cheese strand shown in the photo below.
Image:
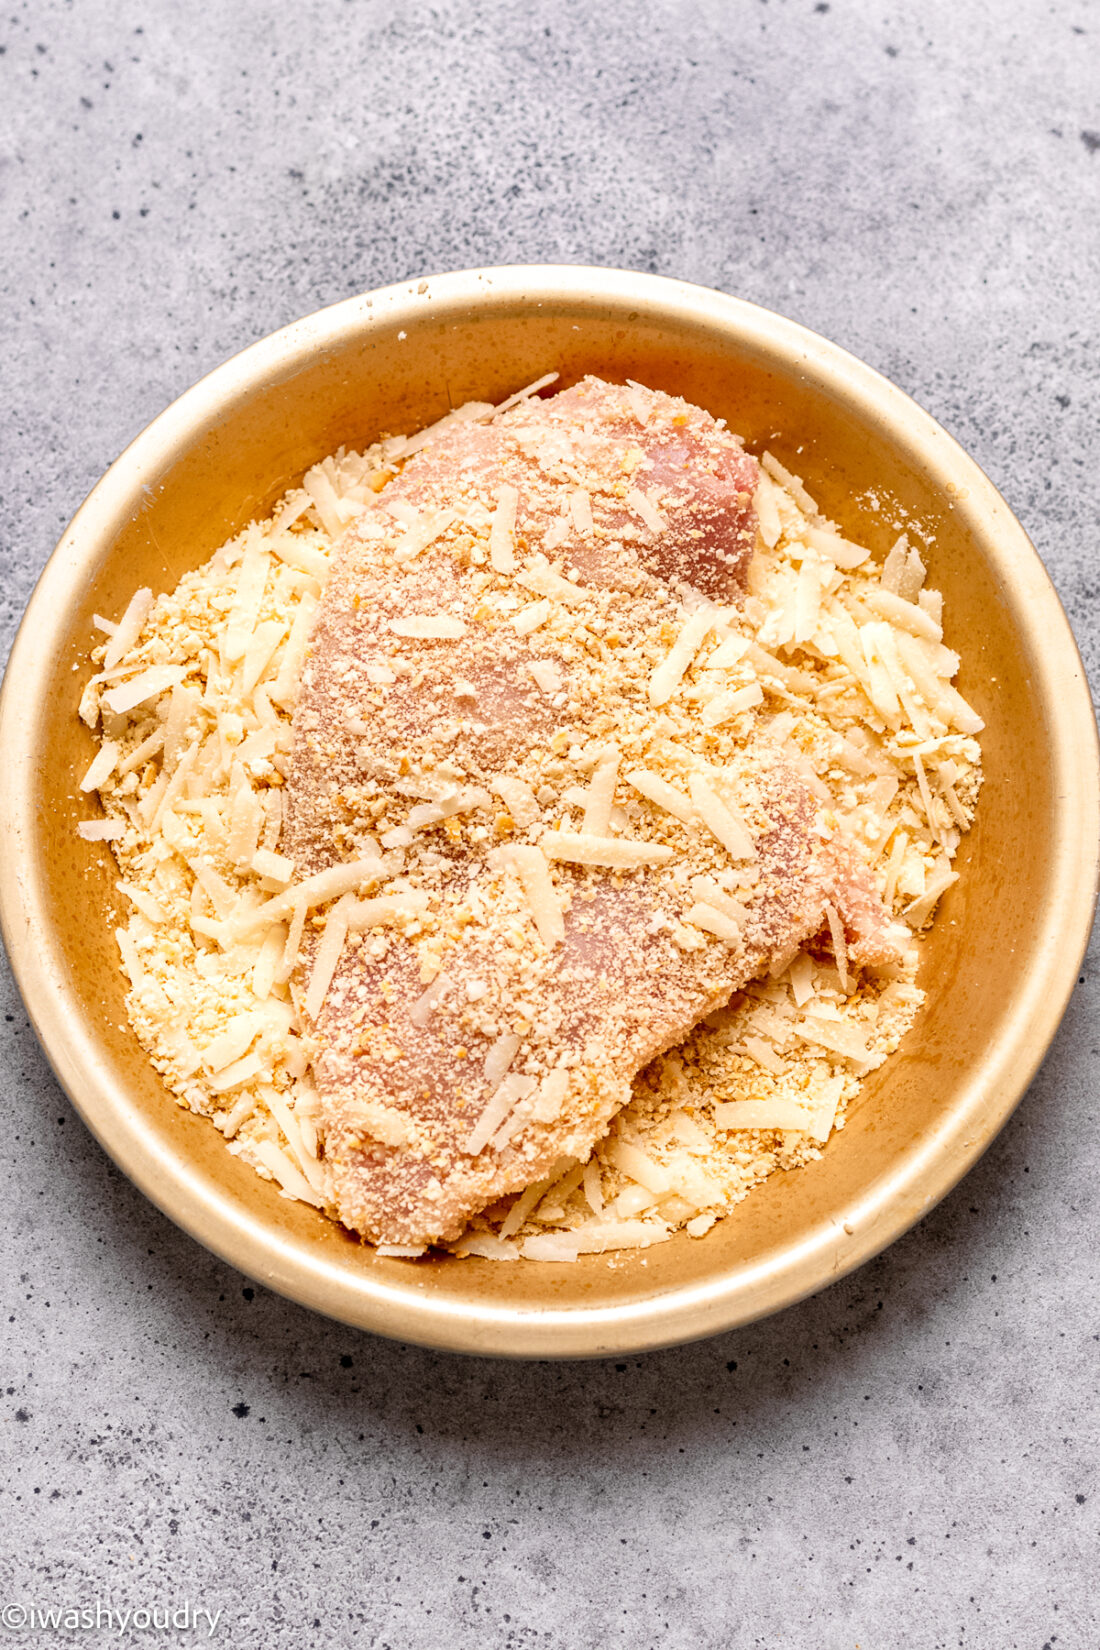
(530, 866)
(616, 852)
(327, 959)
(721, 820)
(502, 531)
(670, 672)
(601, 794)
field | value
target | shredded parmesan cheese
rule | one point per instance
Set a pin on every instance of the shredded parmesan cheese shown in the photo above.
(502, 532)
(666, 796)
(540, 577)
(128, 629)
(150, 684)
(601, 794)
(580, 508)
(420, 536)
(327, 959)
(531, 868)
(721, 819)
(617, 853)
(670, 672)
(103, 766)
(644, 507)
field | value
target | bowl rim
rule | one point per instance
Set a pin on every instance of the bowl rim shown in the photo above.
(405, 1311)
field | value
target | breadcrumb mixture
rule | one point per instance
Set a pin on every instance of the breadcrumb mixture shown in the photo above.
(835, 658)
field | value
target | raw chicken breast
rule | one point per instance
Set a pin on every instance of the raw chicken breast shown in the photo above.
(574, 870)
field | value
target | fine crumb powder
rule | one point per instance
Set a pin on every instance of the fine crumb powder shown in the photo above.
(836, 659)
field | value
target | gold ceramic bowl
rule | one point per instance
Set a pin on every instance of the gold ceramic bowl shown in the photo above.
(1005, 950)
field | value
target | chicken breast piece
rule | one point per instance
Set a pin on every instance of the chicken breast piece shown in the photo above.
(498, 693)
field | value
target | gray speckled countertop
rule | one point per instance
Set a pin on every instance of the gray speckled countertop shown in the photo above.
(908, 1460)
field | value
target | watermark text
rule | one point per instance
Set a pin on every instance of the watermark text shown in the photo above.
(108, 1618)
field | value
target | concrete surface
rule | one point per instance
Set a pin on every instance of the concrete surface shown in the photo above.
(909, 1460)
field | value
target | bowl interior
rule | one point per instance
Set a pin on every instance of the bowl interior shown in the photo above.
(394, 366)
